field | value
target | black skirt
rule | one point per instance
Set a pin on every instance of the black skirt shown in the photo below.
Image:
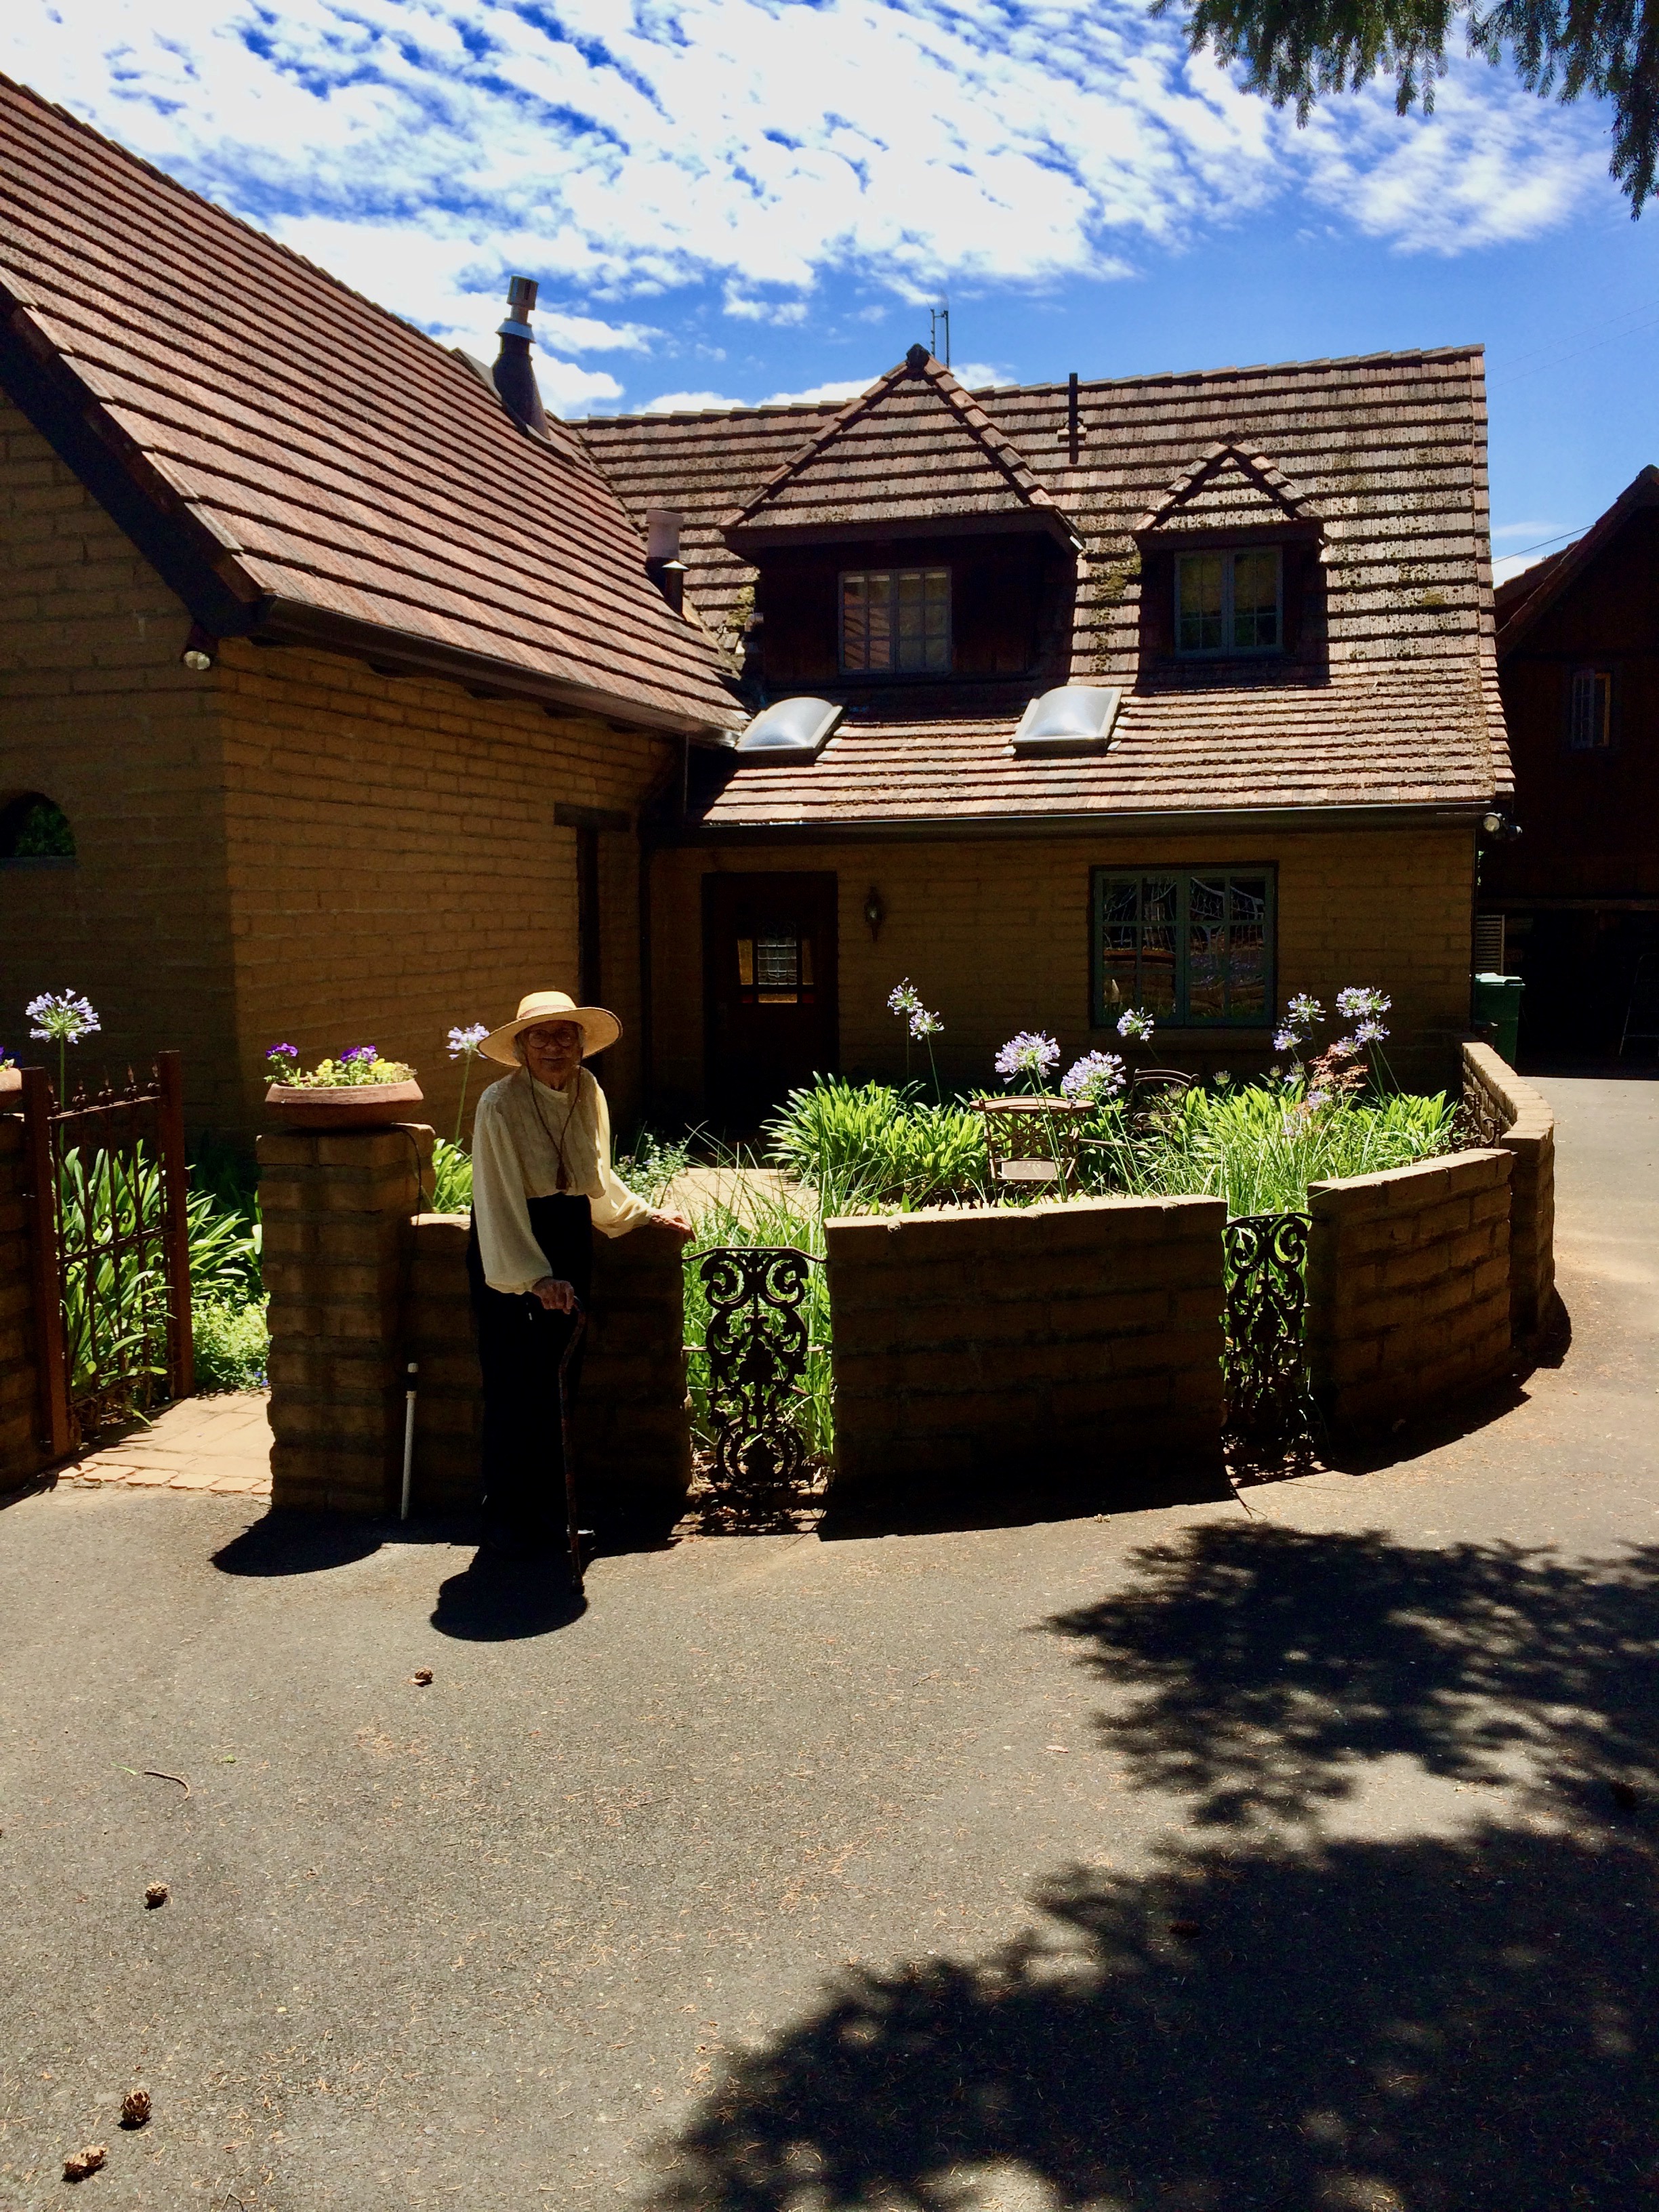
(520, 1345)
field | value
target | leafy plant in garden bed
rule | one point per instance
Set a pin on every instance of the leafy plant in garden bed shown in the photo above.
(868, 1145)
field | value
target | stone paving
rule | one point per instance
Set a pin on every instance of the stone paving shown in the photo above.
(221, 1444)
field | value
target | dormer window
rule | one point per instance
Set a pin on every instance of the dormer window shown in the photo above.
(1230, 602)
(895, 620)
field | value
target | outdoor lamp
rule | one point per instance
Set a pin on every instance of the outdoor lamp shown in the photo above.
(874, 912)
(1500, 826)
(199, 650)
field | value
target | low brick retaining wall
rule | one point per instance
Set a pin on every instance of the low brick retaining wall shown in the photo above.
(20, 1454)
(360, 1284)
(1408, 1287)
(1527, 1134)
(1056, 1336)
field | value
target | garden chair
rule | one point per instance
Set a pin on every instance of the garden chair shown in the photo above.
(1033, 1140)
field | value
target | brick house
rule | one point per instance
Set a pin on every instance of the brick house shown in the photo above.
(332, 687)
(1572, 905)
(1253, 609)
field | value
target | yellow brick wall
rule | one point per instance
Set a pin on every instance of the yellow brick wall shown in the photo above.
(994, 933)
(395, 866)
(289, 846)
(97, 712)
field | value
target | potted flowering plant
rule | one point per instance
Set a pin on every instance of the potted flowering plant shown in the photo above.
(358, 1090)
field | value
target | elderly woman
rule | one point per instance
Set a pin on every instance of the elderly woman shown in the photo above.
(542, 1183)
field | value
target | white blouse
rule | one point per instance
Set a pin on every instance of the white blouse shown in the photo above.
(515, 1158)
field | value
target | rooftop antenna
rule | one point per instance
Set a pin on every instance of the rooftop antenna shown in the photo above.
(939, 318)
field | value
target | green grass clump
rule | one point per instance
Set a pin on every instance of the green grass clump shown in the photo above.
(860, 1145)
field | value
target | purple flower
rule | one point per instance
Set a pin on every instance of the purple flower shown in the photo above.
(360, 1052)
(281, 1052)
(903, 998)
(1030, 1053)
(1370, 1032)
(1136, 1025)
(61, 1018)
(1093, 1079)
(464, 1042)
(924, 1025)
(1287, 1040)
(1358, 1001)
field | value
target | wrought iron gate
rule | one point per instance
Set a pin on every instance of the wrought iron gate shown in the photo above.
(1267, 1263)
(756, 1343)
(110, 1243)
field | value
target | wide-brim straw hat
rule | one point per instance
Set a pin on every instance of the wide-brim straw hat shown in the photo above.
(599, 1027)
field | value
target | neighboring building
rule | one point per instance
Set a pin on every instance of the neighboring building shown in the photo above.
(1572, 905)
(1265, 596)
(330, 691)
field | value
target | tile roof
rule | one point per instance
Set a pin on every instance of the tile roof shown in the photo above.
(1524, 598)
(957, 464)
(1384, 456)
(305, 461)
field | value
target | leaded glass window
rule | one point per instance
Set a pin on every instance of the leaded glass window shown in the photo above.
(1229, 602)
(1193, 947)
(894, 619)
(1589, 710)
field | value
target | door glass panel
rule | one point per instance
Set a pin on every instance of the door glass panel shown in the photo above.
(777, 969)
(746, 962)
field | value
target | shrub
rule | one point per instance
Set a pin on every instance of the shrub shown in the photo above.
(865, 1144)
(232, 1343)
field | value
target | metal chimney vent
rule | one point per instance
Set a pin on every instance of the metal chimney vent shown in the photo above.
(513, 373)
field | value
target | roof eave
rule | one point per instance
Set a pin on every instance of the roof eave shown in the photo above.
(750, 539)
(1264, 820)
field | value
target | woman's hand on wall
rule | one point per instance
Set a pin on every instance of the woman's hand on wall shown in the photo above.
(673, 1219)
(557, 1297)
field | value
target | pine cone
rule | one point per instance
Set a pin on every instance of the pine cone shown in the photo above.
(80, 2163)
(135, 2108)
(157, 1894)
(422, 1675)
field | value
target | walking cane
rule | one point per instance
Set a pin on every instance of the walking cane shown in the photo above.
(575, 1534)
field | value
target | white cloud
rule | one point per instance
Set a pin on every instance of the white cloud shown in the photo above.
(1514, 565)
(977, 374)
(1537, 532)
(424, 149)
(818, 392)
(692, 403)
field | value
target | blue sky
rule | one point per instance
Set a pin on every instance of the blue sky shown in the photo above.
(733, 200)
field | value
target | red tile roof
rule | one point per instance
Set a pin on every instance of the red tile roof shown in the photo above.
(306, 462)
(1384, 455)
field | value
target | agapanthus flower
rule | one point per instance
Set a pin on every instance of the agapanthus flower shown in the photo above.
(1357, 1001)
(1287, 1040)
(1136, 1025)
(924, 1025)
(1093, 1079)
(464, 1042)
(1030, 1054)
(61, 1018)
(903, 998)
(1370, 1032)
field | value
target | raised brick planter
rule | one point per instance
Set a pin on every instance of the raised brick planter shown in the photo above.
(1082, 1337)
(1527, 1134)
(1409, 1288)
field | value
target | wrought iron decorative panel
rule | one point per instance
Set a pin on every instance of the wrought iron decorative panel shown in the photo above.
(1266, 1256)
(756, 1346)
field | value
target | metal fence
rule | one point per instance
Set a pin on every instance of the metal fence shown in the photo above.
(756, 1345)
(110, 1245)
(1265, 1327)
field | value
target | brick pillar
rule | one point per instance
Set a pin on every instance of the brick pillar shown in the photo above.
(337, 1252)
(20, 1455)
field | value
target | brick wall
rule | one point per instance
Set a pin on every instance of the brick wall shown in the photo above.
(995, 935)
(632, 1435)
(1084, 1336)
(1528, 1136)
(97, 712)
(19, 1404)
(289, 846)
(360, 1283)
(1408, 1287)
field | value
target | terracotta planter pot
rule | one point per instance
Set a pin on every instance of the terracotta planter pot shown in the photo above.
(11, 1084)
(366, 1106)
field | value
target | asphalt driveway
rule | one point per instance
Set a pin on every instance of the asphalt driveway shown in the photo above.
(1289, 1852)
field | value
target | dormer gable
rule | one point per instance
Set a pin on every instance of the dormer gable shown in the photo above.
(913, 455)
(1230, 492)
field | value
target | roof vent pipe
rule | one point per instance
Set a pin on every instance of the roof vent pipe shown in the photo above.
(513, 373)
(663, 563)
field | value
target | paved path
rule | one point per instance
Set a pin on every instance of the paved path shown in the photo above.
(220, 1443)
(1198, 1859)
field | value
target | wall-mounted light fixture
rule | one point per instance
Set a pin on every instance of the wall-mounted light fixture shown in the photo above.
(874, 912)
(1499, 827)
(200, 651)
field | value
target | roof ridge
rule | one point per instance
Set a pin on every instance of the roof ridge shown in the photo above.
(1642, 490)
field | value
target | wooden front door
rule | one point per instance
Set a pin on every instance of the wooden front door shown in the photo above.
(769, 946)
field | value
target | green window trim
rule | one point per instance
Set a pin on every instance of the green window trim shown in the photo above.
(1197, 947)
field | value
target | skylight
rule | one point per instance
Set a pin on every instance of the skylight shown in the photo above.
(789, 732)
(1076, 718)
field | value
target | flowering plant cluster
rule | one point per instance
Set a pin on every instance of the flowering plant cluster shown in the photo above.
(1095, 1079)
(1031, 1056)
(62, 1018)
(922, 1026)
(359, 1066)
(1136, 1025)
(1341, 1068)
(464, 1043)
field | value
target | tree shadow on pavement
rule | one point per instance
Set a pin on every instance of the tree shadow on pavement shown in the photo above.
(1258, 1670)
(1283, 2020)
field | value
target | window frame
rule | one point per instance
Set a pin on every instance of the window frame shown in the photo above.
(1599, 673)
(1227, 555)
(1104, 1017)
(894, 571)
